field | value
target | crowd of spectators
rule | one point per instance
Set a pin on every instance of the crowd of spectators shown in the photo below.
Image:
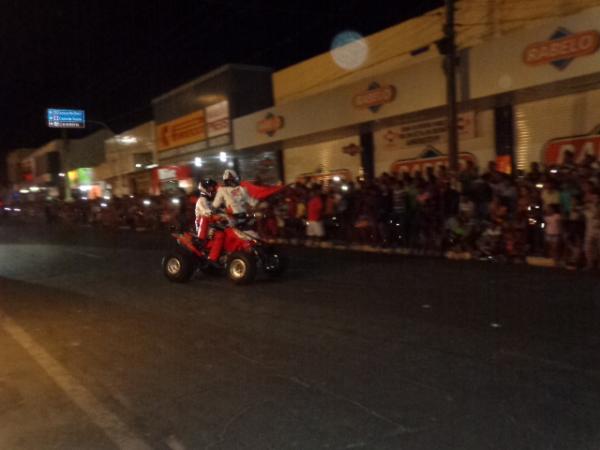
(131, 212)
(551, 212)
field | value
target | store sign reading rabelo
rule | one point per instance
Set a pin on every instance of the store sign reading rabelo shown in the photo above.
(374, 97)
(182, 131)
(270, 124)
(562, 47)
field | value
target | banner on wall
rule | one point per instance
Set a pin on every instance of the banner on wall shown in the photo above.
(181, 131)
(431, 157)
(553, 152)
(427, 132)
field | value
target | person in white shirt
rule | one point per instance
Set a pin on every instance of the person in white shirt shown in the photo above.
(553, 231)
(592, 230)
(232, 196)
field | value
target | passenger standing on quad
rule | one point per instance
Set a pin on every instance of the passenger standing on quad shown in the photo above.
(234, 197)
(205, 216)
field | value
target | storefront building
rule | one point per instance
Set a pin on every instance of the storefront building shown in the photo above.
(81, 158)
(194, 136)
(548, 78)
(19, 174)
(383, 124)
(130, 161)
(35, 173)
(523, 97)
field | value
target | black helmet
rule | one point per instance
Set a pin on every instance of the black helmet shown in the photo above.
(208, 187)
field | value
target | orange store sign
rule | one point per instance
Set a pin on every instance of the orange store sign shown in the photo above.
(562, 47)
(431, 157)
(374, 97)
(270, 124)
(554, 150)
(182, 131)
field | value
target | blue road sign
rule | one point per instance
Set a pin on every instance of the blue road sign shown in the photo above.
(66, 118)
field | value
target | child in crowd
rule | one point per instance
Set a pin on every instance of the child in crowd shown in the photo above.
(552, 231)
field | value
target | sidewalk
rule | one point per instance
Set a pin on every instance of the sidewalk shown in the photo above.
(536, 261)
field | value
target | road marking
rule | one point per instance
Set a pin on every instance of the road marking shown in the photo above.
(112, 426)
(89, 255)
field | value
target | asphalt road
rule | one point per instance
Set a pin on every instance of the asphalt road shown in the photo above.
(347, 351)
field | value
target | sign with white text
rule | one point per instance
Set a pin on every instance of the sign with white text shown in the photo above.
(65, 118)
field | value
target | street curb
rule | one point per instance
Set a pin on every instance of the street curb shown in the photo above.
(355, 248)
(534, 261)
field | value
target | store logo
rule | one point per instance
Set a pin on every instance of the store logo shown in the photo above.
(374, 97)
(270, 124)
(431, 157)
(351, 149)
(562, 48)
(554, 150)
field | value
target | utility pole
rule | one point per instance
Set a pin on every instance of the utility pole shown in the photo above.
(64, 163)
(450, 66)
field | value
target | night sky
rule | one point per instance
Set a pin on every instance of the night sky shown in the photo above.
(112, 57)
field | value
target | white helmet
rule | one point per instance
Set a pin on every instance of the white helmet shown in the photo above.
(229, 173)
(230, 178)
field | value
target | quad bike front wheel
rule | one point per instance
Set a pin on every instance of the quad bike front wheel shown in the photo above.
(177, 267)
(241, 268)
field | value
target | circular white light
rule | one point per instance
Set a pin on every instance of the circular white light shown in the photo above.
(175, 201)
(505, 82)
(337, 179)
(223, 156)
(147, 202)
(198, 161)
(349, 50)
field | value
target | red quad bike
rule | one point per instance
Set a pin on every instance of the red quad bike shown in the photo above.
(244, 253)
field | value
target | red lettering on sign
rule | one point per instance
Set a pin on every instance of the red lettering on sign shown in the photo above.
(568, 47)
(420, 165)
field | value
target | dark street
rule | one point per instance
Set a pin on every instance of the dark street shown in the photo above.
(347, 350)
